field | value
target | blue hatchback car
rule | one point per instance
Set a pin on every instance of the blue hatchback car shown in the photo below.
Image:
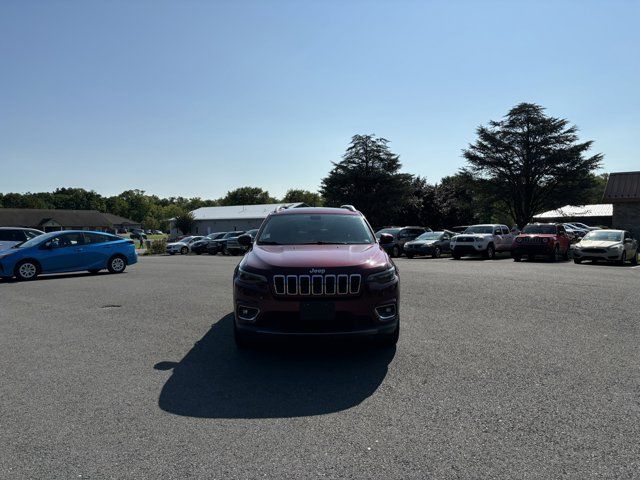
(67, 251)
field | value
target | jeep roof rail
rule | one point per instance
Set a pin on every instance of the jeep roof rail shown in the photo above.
(349, 207)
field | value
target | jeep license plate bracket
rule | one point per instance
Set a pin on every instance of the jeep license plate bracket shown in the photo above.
(314, 311)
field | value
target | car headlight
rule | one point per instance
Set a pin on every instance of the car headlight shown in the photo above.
(385, 276)
(616, 248)
(252, 278)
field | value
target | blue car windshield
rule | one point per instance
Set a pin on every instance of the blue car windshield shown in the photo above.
(36, 240)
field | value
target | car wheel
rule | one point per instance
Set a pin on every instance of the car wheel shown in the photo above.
(388, 340)
(436, 252)
(225, 251)
(490, 252)
(27, 270)
(395, 251)
(116, 264)
(184, 251)
(565, 255)
(554, 254)
(623, 258)
(634, 259)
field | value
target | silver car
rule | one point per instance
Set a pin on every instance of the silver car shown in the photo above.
(10, 236)
(608, 245)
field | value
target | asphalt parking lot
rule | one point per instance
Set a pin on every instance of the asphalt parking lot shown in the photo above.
(503, 370)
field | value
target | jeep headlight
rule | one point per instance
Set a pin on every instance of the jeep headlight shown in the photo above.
(248, 277)
(385, 276)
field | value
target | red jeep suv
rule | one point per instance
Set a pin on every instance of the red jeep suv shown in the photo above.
(545, 239)
(316, 271)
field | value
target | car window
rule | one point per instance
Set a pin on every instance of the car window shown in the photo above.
(12, 235)
(604, 235)
(67, 240)
(311, 229)
(93, 238)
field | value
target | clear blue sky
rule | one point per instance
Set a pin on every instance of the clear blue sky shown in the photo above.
(195, 98)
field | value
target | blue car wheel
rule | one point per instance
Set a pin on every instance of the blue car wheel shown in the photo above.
(26, 270)
(117, 264)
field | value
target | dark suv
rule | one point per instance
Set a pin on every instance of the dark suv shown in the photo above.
(543, 239)
(401, 235)
(316, 271)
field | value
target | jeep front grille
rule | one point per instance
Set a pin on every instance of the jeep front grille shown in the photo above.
(532, 240)
(312, 285)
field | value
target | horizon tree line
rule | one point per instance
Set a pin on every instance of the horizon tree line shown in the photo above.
(518, 166)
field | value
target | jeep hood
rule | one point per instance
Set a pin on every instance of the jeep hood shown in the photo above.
(264, 257)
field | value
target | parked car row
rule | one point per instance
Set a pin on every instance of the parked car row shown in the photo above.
(225, 243)
(553, 241)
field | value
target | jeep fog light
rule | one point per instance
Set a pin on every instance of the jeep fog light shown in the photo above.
(386, 312)
(248, 314)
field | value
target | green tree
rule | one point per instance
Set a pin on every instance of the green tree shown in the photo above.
(151, 223)
(247, 196)
(531, 162)
(295, 195)
(368, 177)
(185, 222)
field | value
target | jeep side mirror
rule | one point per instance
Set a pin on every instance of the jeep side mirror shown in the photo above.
(245, 240)
(386, 238)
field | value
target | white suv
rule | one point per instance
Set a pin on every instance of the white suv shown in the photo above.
(483, 240)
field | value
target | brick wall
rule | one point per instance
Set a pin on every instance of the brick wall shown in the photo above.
(626, 216)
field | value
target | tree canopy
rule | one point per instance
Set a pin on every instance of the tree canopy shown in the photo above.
(247, 196)
(295, 195)
(369, 177)
(531, 162)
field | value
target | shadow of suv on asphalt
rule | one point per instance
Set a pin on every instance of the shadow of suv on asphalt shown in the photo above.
(299, 377)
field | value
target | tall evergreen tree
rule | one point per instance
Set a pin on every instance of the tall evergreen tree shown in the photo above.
(368, 177)
(532, 162)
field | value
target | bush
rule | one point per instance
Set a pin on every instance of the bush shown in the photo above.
(157, 246)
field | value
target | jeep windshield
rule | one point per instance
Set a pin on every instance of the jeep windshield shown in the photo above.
(319, 229)
(480, 229)
(540, 229)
